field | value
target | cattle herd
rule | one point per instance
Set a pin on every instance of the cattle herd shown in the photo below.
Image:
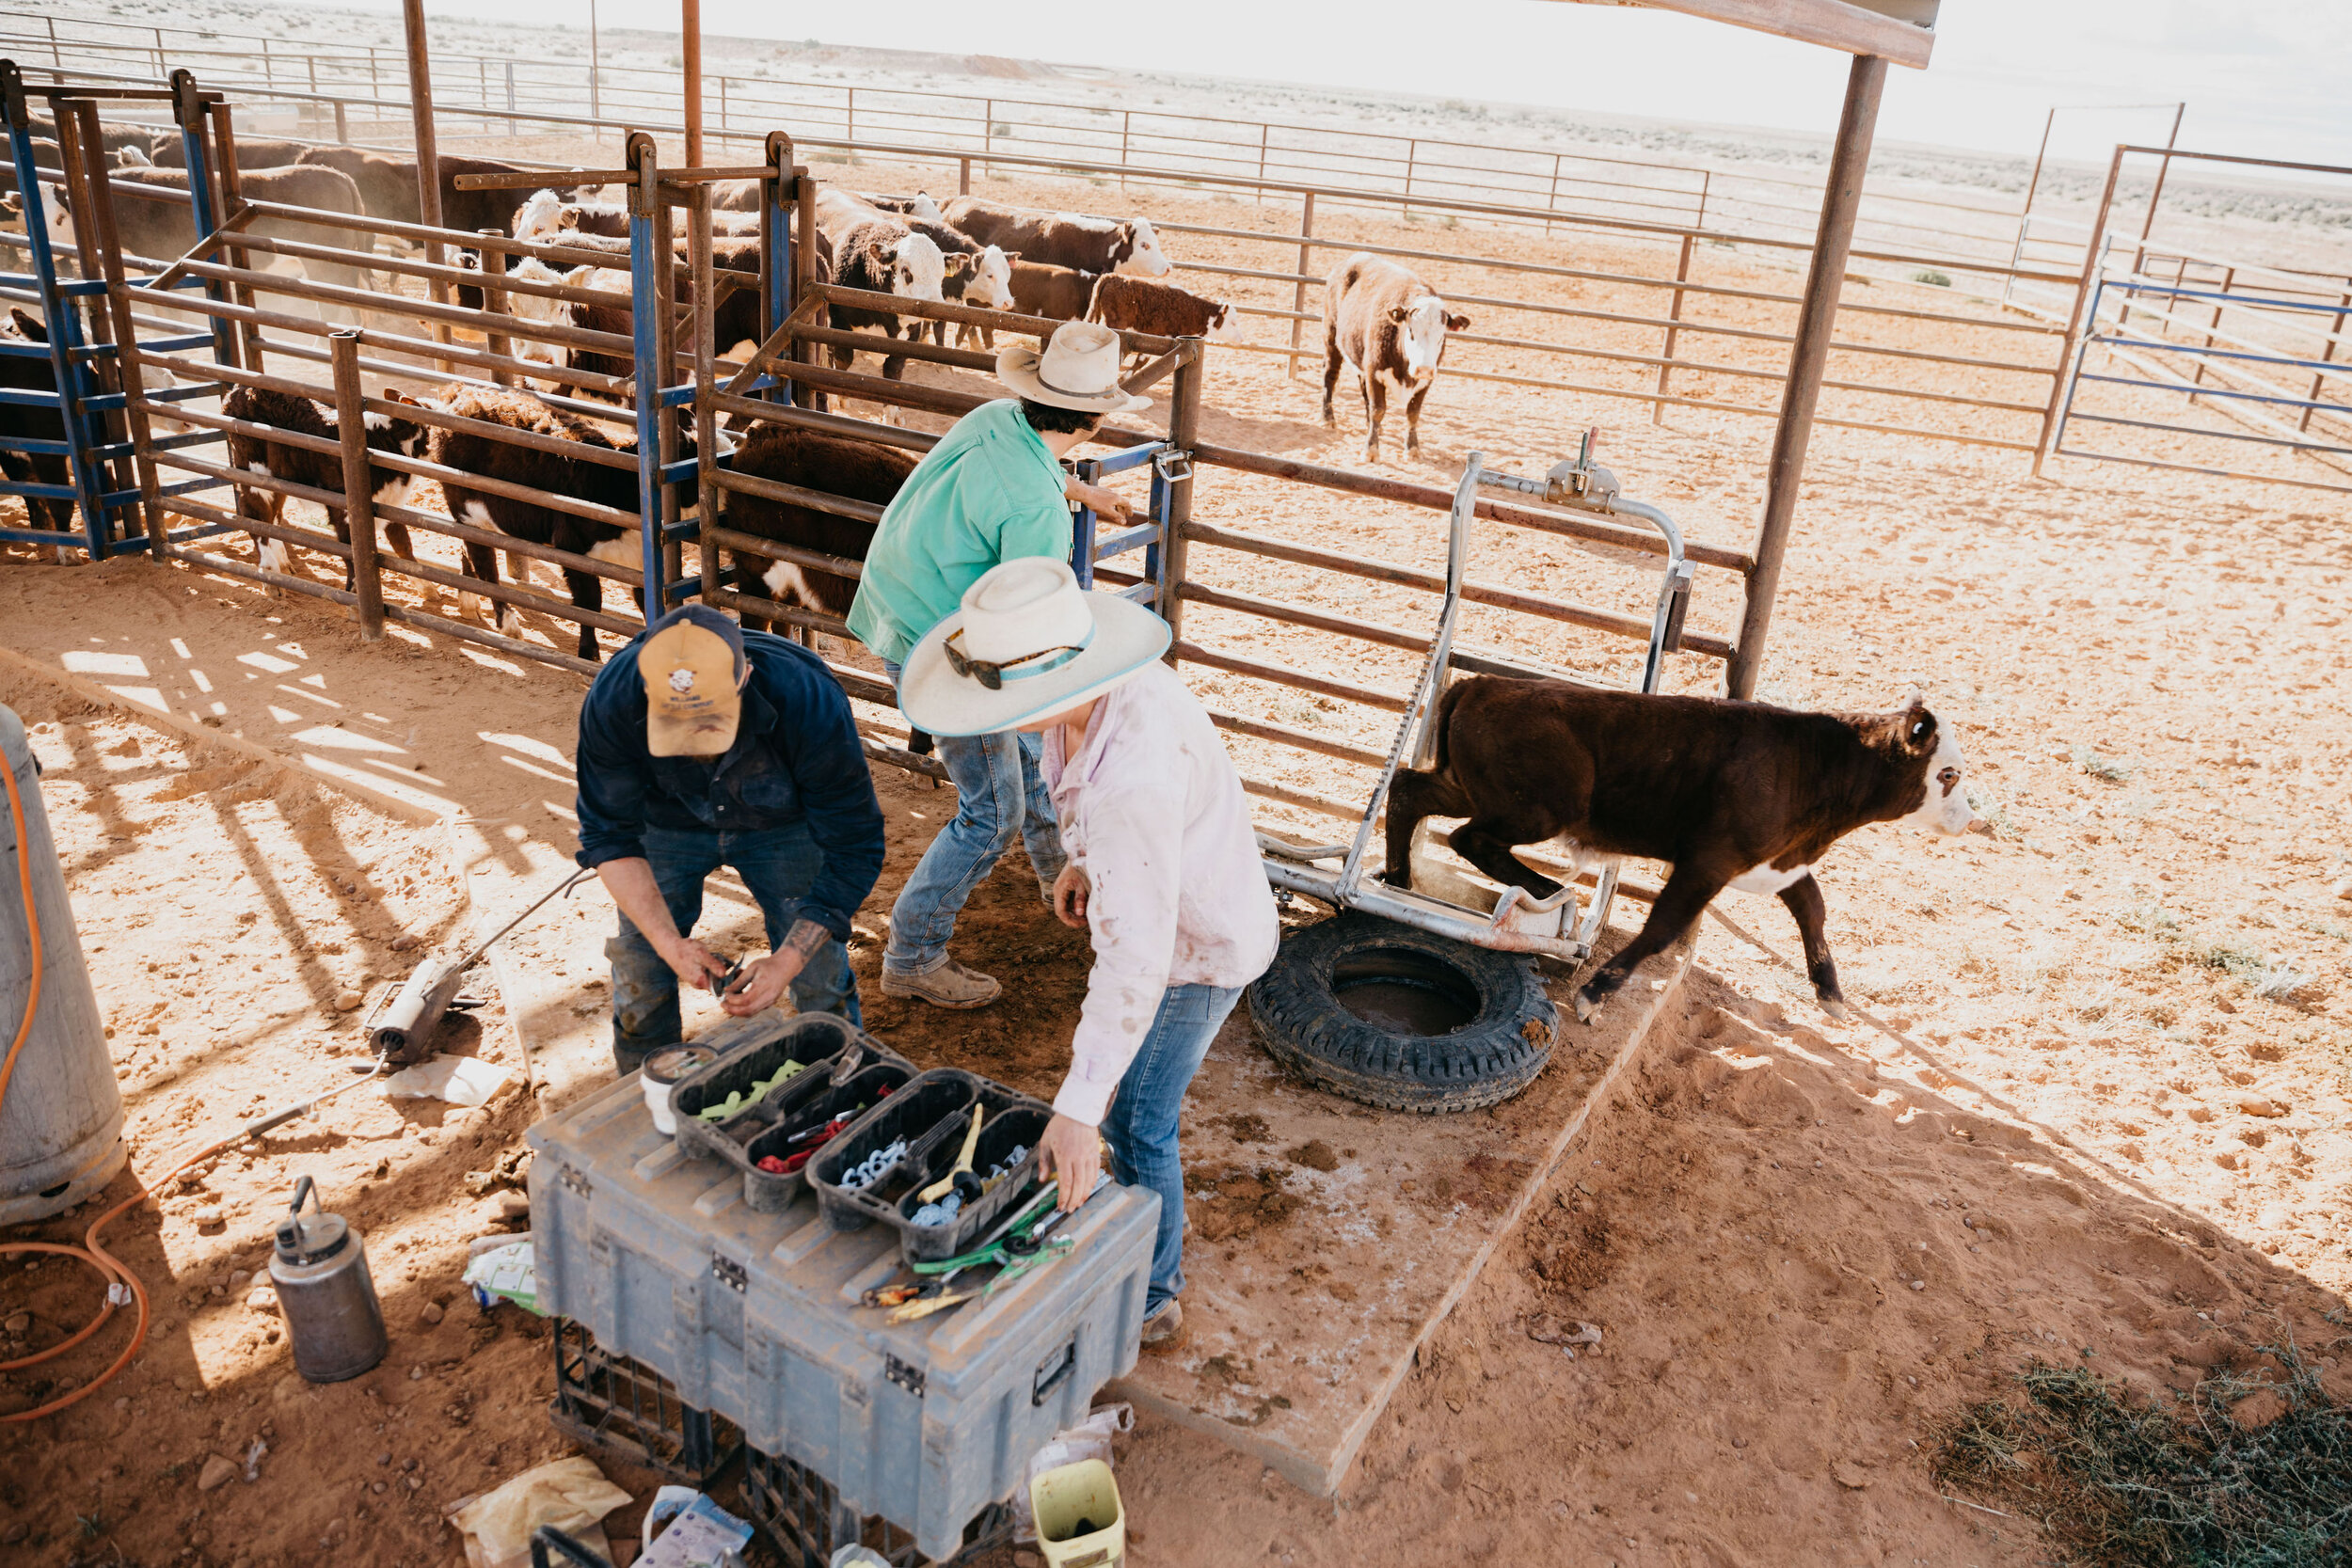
(1379, 319)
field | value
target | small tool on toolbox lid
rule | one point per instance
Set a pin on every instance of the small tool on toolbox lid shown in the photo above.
(960, 1174)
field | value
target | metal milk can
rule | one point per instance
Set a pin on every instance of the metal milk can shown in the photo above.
(320, 1270)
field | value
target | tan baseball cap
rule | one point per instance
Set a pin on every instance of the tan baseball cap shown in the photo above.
(692, 665)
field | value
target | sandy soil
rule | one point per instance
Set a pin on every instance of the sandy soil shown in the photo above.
(2099, 1108)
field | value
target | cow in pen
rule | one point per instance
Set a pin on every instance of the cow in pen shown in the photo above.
(880, 254)
(157, 228)
(1390, 327)
(319, 470)
(1076, 240)
(1731, 794)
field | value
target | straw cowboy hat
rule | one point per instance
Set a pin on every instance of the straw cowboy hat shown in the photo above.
(1078, 370)
(1028, 643)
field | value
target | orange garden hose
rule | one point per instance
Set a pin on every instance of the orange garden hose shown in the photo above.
(120, 1281)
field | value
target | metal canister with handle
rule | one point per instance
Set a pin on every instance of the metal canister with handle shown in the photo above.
(320, 1270)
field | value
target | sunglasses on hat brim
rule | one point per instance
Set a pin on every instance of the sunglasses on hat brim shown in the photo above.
(993, 675)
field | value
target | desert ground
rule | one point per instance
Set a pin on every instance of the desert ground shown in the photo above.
(2096, 1107)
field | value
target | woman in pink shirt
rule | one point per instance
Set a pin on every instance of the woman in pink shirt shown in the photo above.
(1163, 870)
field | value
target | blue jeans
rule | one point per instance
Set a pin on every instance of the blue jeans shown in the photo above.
(777, 865)
(999, 793)
(1141, 1126)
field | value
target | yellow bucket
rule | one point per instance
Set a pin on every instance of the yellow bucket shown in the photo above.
(1080, 1523)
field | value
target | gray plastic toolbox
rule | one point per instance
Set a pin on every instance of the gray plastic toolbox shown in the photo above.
(755, 1316)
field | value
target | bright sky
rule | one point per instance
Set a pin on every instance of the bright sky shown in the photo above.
(2263, 77)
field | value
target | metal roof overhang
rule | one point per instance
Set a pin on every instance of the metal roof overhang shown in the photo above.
(1898, 31)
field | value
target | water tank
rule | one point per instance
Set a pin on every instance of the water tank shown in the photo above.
(61, 1119)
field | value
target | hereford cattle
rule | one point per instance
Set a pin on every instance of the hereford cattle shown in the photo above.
(1063, 239)
(1062, 293)
(320, 470)
(814, 460)
(160, 229)
(1390, 327)
(113, 134)
(387, 188)
(1732, 794)
(1161, 309)
(984, 280)
(876, 252)
(919, 205)
(554, 472)
(169, 149)
(549, 218)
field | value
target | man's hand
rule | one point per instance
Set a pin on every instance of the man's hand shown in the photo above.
(1103, 502)
(761, 982)
(1071, 892)
(695, 964)
(1071, 1153)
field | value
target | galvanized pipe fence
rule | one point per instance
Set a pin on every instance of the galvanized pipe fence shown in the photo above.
(1658, 350)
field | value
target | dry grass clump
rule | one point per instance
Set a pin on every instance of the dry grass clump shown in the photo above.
(2204, 1481)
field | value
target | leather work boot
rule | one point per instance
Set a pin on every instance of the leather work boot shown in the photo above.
(950, 985)
(1163, 1326)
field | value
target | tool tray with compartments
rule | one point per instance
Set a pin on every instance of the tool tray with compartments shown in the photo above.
(753, 1050)
(755, 1316)
(931, 1115)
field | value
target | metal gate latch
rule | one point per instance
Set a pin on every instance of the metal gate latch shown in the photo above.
(1173, 464)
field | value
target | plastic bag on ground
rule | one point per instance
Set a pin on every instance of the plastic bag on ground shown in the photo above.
(459, 1080)
(570, 1494)
(507, 1273)
(702, 1534)
(1089, 1439)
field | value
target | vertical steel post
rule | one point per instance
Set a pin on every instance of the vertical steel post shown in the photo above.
(2327, 355)
(804, 261)
(493, 264)
(2164, 168)
(1682, 276)
(82, 148)
(666, 291)
(428, 151)
(1087, 471)
(1184, 427)
(595, 102)
(2092, 253)
(705, 411)
(232, 204)
(126, 340)
(776, 272)
(1808, 361)
(2024, 213)
(351, 428)
(1126, 128)
(1299, 290)
(691, 24)
(1412, 156)
(342, 126)
(646, 312)
(57, 57)
(188, 108)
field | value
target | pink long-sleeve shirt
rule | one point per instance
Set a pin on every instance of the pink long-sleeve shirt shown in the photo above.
(1152, 812)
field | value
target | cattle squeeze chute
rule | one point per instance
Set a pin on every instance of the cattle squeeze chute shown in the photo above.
(1504, 918)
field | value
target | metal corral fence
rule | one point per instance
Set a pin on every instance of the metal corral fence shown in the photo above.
(2187, 361)
(495, 95)
(1343, 651)
(65, 435)
(1665, 315)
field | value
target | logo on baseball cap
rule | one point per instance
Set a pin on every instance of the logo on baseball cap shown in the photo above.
(692, 665)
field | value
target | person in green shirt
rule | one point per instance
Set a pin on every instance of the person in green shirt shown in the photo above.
(992, 490)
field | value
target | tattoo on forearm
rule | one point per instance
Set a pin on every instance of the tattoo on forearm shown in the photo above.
(806, 937)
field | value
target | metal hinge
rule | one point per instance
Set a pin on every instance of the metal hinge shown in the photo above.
(571, 1177)
(1173, 464)
(729, 1273)
(905, 1375)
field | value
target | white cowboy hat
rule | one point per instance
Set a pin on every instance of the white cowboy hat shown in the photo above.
(1028, 643)
(1078, 370)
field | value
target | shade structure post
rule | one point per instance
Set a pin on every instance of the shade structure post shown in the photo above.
(1808, 361)
(647, 305)
(428, 151)
(691, 23)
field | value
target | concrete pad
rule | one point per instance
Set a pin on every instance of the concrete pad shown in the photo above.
(1307, 1295)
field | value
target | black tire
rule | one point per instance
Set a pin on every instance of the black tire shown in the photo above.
(1296, 1009)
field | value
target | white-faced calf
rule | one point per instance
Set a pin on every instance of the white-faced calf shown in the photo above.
(1732, 794)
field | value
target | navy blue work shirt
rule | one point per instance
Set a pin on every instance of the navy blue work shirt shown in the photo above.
(796, 758)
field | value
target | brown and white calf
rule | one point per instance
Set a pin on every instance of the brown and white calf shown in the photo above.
(160, 229)
(811, 460)
(320, 470)
(873, 251)
(551, 217)
(1076, 240)
(1040, 289)
(557, 473)
(169, 149)
(1162, 309)
(1732, 794)
(1390, 327)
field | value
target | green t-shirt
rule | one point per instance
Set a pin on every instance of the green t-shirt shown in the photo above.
(989, 493)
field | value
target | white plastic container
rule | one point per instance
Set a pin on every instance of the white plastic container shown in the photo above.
(662, 1069)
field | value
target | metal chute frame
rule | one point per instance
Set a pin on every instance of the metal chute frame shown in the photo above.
(1517, 923)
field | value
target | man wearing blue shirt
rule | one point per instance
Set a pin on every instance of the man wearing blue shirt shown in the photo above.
(703, 745)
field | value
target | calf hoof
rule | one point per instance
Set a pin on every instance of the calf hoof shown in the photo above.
(1587, 1005)
(1836, 1008)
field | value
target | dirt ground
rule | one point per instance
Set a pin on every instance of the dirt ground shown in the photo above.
(2096, 1109)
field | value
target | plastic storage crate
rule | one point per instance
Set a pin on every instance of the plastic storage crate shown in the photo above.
(755, 1316)
(802, 1514)
(626, 1408)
